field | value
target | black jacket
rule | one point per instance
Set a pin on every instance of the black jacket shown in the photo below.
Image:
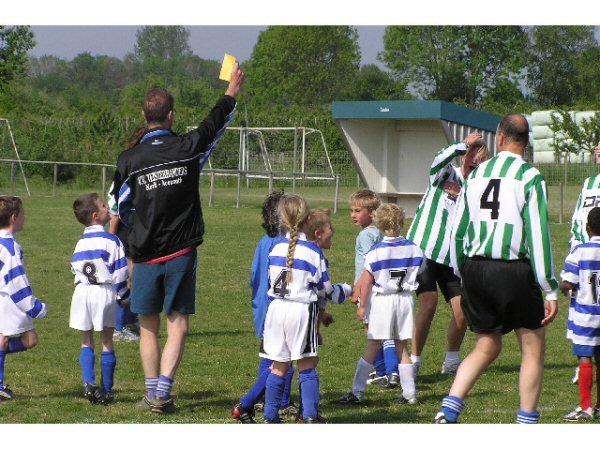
(157, 186)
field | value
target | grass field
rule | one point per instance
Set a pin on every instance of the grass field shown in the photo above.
(221, 360)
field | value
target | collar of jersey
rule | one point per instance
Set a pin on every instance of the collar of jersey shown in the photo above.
(93, 228)
(155, 133)
(393, 239)
(6, 233)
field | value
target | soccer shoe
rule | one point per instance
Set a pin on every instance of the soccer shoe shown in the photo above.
(289, 410)
(597, 412)
(441, 418)
(450, 367)
(349, 399)
(144, 403)
(259, 407)
(393, 380)
(125, 335)
(379, 381)
(243, 415)
(575, 378)
(416, 367)
(104, 398)
(6, 393)
(320, 418)
(407, 401)
(160, 405)
(579, 414)
(91, 392)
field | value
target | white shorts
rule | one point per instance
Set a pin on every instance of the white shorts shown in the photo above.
(13, 319)
(93, 307)
(391, 316)
(290, 331)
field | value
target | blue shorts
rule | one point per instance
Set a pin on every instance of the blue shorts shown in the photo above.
(170, 285)
(587, 351)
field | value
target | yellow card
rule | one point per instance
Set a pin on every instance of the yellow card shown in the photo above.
(227, 67)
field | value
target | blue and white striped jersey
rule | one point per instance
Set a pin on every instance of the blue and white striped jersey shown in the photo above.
(14, 284)
(394, 264)
(99, 258)
(582, 267)
(310, 278)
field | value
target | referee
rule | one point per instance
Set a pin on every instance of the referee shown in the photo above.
(502, 251)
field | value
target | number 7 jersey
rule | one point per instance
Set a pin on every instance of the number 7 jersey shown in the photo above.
(502, 213)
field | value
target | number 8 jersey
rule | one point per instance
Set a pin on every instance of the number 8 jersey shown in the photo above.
(309, 272)
(502, 213)
(582, 267)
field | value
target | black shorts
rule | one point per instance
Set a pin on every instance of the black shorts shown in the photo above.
(500, 296)
(433, 273)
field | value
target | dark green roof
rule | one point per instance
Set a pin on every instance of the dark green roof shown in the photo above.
(416, 110)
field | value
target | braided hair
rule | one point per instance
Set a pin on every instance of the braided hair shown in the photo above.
(293, 213)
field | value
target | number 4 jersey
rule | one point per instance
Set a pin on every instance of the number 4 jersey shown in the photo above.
(502, 213)
(582, 267)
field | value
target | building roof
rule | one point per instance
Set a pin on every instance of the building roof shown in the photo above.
(416, 110)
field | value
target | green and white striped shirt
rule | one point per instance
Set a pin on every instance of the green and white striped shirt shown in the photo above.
(432, 224)
(588, 199)
(502, 213)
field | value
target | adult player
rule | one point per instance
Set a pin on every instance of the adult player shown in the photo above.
(430, 230)
(588, 199)
(157, 181)
(503, 251)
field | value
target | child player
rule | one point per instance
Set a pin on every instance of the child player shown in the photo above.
(362, 207)
(259, 283)
(100, 269)
(298, 277)
(581, 276)
(18, 305)
(391, 268)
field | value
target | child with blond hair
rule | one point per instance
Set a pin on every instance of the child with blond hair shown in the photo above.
(390, 272)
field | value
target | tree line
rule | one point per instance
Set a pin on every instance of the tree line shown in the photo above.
(84, 109)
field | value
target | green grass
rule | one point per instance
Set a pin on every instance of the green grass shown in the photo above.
(221, 356)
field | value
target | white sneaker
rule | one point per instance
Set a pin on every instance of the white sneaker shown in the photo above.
(575, 378)
(450, 367)
(124, 336)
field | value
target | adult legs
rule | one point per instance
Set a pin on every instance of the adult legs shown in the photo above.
(427, 305)
(532, 343)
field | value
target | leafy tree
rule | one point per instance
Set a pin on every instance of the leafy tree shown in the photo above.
(372, 83)
(556, 55)
(15, 42)
(569, 137)
(455, 63)
(162, 42)
(303, 64)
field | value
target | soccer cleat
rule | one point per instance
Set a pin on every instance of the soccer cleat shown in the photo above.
(393, 380)
(243, 415)
(289, 410)
(441, 418)
(579, 414)
(407, 401)
(125, 335)
(91, 392)
(597, 412)
(575, 378)
(161, 405)
(104, 398)
(6, 393)
(379, 381)
(320, 419)
(416, 367)
(450, 367)
(143, 404)
(349, 399)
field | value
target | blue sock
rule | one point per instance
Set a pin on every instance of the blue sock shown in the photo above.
(452, 407)
(120, 318)
(379, 363)
(273, 395)
(390, 357)
(309, 380)
(2, 359)
(525, 417)
(255, 393)
(287, 392)
(15, 345)
(108, 362)
(151, 384)
(86, 361)
(165, 384)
